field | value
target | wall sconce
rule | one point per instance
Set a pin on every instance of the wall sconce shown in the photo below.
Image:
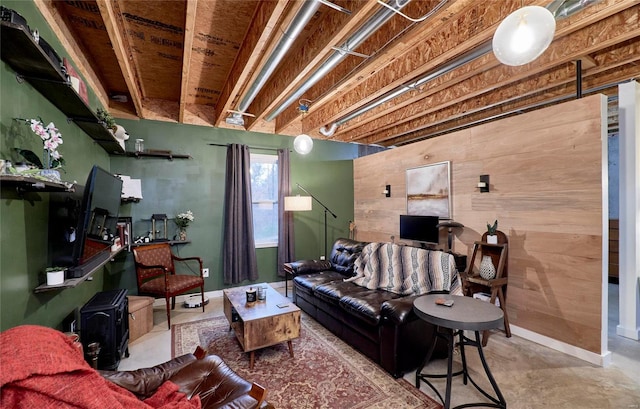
(483, 185)
(387, 191)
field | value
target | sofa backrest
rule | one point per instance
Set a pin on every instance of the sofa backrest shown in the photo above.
(344, 253)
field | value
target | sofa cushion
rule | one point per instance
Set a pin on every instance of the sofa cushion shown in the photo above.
(406, 270)
(344, 253)
(366, 304)
(309, 282)
(334, 291)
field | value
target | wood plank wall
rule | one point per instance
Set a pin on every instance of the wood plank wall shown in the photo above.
(546, 192)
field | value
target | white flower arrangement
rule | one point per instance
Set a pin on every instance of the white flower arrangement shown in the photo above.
(183, 219)
(51, 139)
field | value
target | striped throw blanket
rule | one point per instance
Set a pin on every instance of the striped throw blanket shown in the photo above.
(406, 270)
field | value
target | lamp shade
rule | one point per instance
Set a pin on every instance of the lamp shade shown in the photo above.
(303, 144)
(524, 35)
(297, 203)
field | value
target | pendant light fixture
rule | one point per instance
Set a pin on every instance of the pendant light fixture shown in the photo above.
(524, 35)
(303, 144)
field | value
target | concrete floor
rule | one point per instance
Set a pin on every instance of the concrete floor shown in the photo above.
(528, 374)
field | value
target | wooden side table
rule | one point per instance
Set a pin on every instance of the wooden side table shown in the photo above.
(473, 282)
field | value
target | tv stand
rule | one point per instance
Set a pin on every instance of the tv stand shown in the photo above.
(87, 271)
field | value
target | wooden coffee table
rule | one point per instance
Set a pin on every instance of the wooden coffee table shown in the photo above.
(262, 323)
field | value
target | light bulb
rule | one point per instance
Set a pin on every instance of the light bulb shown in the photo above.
(303, 144)
(524, 35)
(523, 38)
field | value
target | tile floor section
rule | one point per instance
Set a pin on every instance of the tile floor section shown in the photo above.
(528, 374)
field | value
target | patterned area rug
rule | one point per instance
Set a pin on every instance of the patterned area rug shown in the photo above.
(324, 373)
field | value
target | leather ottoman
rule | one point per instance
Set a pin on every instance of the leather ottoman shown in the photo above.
(140, 316)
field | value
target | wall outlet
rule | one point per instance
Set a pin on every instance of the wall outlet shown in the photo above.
(205, 272)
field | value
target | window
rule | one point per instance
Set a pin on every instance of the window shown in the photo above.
(264, 194)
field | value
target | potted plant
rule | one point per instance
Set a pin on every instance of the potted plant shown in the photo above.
(51, 158)
(492, 237)
(107, 119)
(55, 275)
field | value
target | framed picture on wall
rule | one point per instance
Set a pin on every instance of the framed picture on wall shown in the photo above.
(429, 190)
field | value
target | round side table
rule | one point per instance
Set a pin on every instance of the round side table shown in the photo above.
(465, 314)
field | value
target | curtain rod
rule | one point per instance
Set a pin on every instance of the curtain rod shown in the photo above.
(251, 147)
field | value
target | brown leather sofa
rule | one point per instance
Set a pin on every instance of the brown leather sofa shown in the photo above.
(195, 374)
(378, 323)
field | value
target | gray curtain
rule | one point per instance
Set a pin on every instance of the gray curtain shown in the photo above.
(285, 219)
(239, 260)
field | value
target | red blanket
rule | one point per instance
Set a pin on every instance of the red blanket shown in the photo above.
(40, 368)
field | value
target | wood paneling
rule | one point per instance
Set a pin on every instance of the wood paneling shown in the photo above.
(546, 192)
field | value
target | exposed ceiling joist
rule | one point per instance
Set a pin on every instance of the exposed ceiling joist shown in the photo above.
(122, 50)
(192, 61)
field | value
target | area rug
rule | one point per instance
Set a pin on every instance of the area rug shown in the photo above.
(324, 373)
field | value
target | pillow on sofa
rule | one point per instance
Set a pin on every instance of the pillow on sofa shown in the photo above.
(406, 270)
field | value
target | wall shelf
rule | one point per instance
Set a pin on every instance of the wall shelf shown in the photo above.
(72, 282)
(171, 243)
(31, 63)
(160, 154)
(33, 184)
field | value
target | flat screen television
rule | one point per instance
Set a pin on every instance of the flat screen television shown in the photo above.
(422, 229)
(83, 223)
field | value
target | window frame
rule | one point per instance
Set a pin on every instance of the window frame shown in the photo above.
(268, 159)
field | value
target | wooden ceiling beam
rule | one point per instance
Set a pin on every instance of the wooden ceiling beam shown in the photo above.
(72, 48)
(440, 43)
(470, 111)
(189, 30)
(301, 59)
(382, 48)
(499, 112)
(115, 28)
(263, 27)
(359, 97)
(566, 49)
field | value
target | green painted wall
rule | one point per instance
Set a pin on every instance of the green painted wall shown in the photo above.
(168, 187)
(197, 184)
(23, 243)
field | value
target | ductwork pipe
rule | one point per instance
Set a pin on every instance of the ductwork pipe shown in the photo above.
(288, 37)
(565, 8)
(559, 8)
(366, 30)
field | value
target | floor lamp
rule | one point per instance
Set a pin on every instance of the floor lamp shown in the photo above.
(298, 199)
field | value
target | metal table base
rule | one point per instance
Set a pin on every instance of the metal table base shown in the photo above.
(449, 335)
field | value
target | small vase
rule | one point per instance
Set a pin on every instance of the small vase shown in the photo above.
(487, 269)
(492, 238)
(182, 234)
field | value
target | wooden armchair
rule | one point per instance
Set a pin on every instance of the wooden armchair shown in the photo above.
(156, 274)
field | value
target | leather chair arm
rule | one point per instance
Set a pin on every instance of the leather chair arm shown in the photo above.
(307, 266)
(218, 385)
(145, 381)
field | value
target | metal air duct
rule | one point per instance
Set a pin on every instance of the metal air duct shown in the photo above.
(288, 37)
(559, 8)
(366, 30)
